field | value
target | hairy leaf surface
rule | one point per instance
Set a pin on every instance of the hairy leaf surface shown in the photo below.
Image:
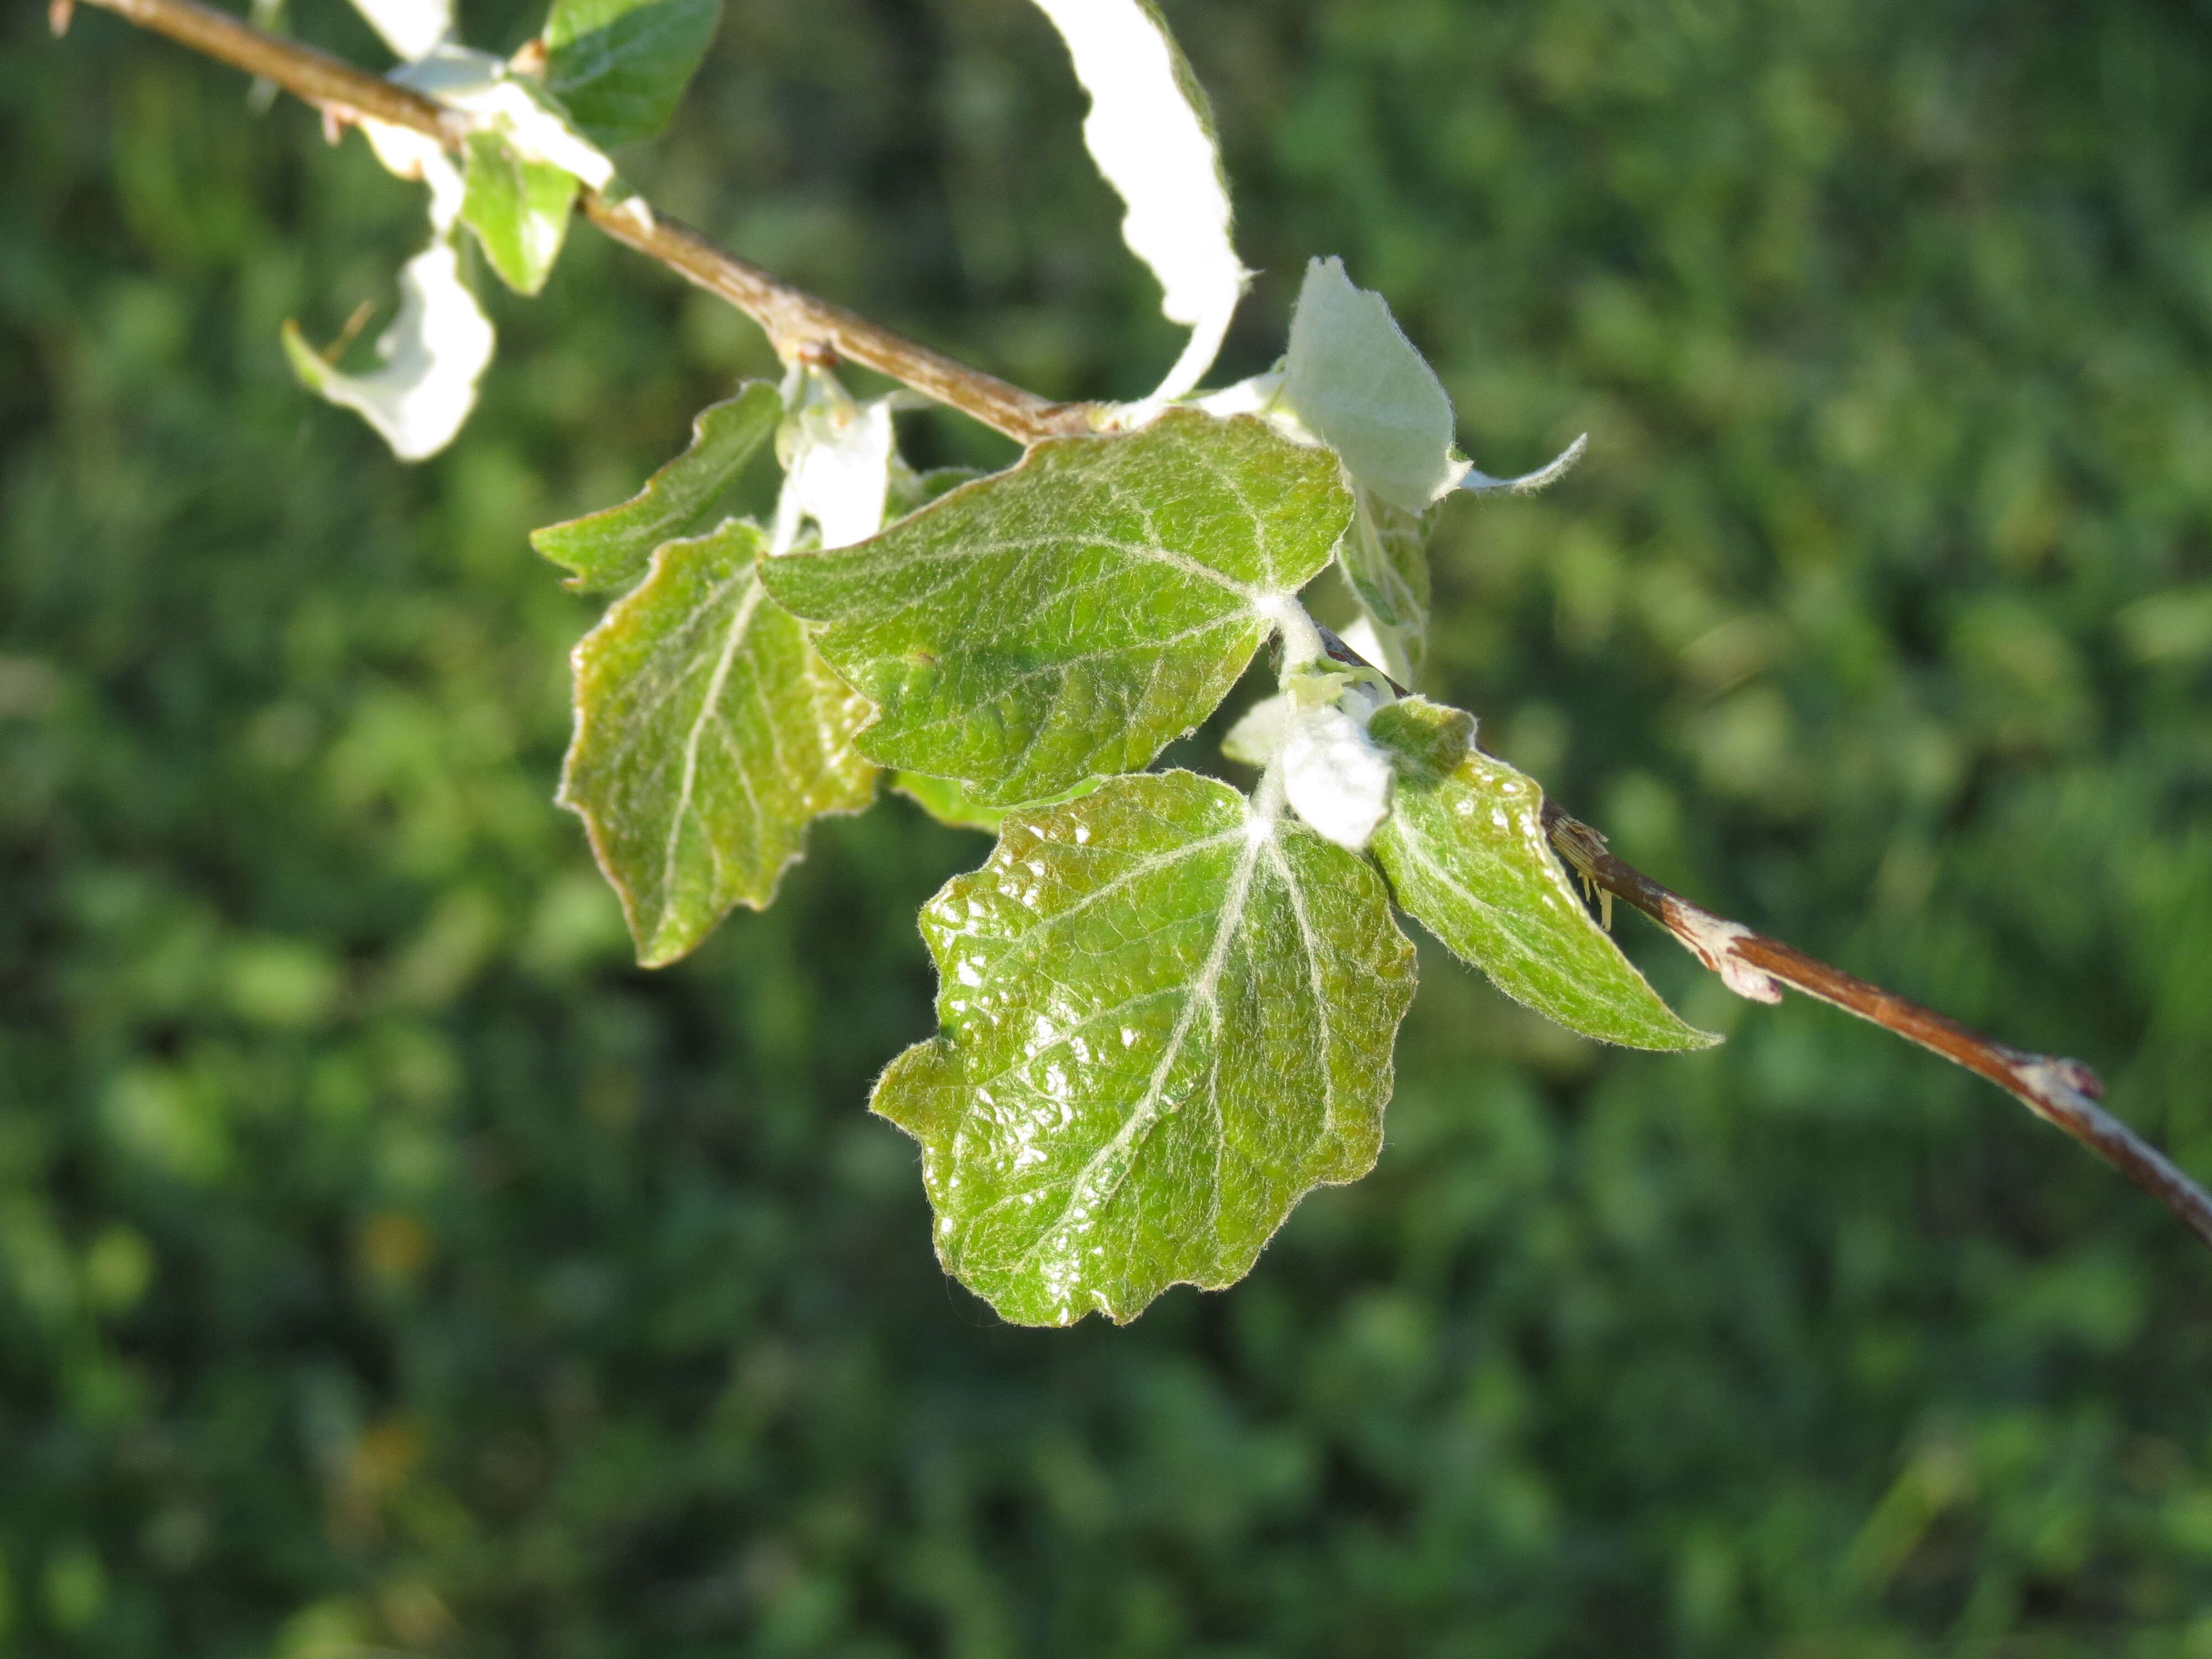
(611, 548)
(620, 66)
(1071, 616)
(1386, 556)
(950, 803)
(1166, 1014)
(519, 210)
(1465, 850)
(709, 735)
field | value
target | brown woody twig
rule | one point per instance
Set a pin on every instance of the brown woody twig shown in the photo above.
(2063, 1092)
(795, 319)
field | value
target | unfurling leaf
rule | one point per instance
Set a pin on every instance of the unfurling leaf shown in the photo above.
(519, 210)
(837, 456)
(1166, 1014)
(709, 735)
(1151, 134)
(517, 106)
(620, 66)
(609, 549)
(1071, 616)
(1465, 850)
(1386, 556)
(433, 354)
(1356, 381)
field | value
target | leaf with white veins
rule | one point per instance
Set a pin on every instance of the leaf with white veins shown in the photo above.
(1072, 617)
(708, 736)
(609, 548)
(1465, 850)
(1166, 1014)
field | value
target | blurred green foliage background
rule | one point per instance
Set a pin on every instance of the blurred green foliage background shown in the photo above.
(386, 1265)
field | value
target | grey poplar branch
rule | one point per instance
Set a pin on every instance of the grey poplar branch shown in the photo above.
(2063, 1092)
(795, 320)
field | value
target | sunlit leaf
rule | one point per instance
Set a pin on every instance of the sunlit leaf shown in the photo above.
(609, 549)
(1465, 850)
(433, 353)
(1071, 616)
(620, 66)
(709, 735)
(949, 803)
(519, 210)
(1355, 380)
(1165, 1015)
(1151, 134)
(412, 28)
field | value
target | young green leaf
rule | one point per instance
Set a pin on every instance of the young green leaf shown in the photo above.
(948, 803)
(519, 210)
(1071, 616)
(609, 549)
(1465, 851)
(1166, 1014)
(709, 735)
(1386, 556)
(620, 66)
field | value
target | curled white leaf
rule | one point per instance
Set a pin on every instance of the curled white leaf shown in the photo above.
(1335, 776)
(1259, 732)
(1151, 137)
(1354, 378)
(407, 154)
(433, 353)
(412, 28)
(1528, 482)
(837, 454)
(483, 88)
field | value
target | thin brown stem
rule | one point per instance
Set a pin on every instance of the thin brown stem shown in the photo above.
(796, 321)
(2063, 1092)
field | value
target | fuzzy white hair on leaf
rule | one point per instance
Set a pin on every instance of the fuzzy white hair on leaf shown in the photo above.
(433, 353)
(1151, 134)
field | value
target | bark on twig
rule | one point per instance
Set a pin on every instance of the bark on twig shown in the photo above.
(795, 319)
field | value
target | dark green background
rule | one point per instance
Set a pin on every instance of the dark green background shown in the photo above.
(385, 1261)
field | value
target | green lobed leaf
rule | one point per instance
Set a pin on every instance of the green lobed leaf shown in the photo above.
(620, 66)
(1465, 853)
(1385, 553)
(519, 210)
(1070, 618)
(949, 803)
(609, 548)
(1166, 1013)
(709, 735)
